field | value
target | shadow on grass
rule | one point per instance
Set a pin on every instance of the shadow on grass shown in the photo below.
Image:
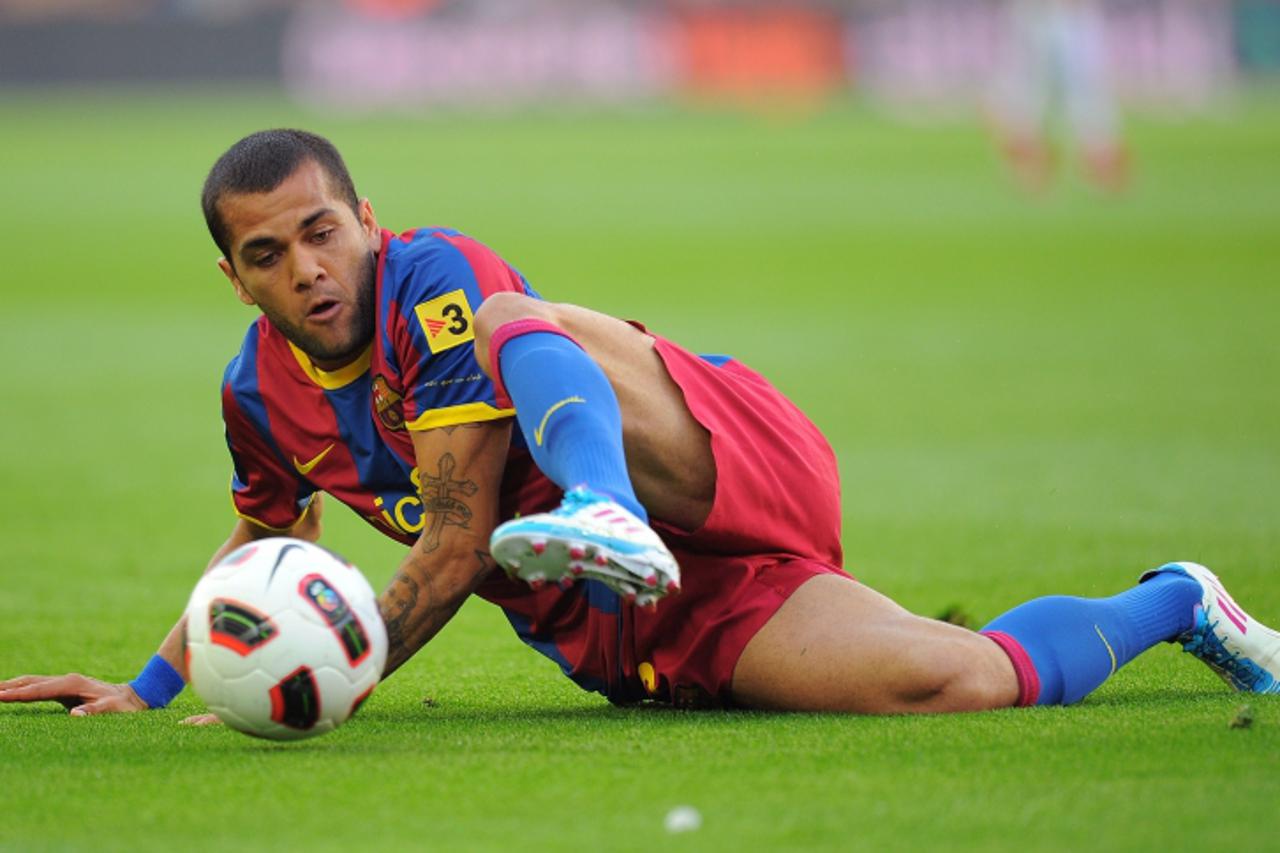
(1163, 697)
(647, 715)
(37, 709)
(549, 714)
(392, 723)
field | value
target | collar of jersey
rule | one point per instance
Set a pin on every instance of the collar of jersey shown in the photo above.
(332, 380)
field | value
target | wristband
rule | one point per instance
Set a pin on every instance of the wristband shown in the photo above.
(158, 683)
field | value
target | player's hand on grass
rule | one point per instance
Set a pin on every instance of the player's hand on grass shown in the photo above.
(202, 720)
(79, 694)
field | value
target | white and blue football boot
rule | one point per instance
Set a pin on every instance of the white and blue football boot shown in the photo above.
(587, 536)
(1244, 652)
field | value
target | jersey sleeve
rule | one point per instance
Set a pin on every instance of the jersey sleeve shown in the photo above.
(438, 295)
(263, 490)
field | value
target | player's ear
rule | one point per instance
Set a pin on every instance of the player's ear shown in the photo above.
(230, 272)
(369, 222)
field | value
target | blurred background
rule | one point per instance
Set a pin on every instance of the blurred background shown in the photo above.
(413, 54)
(1016, 258)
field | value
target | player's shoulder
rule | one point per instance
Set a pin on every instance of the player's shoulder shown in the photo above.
(242, 371)
(426, 262)
(421, 250)
(420, 243)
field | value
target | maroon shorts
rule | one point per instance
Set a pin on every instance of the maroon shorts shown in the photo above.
(775, 524)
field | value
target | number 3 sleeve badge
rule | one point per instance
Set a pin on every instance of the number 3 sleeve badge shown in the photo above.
(446, 321)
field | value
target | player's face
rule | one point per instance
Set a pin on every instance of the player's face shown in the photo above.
(308, 261)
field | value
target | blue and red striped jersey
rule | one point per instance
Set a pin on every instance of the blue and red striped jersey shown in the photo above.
(294, 429)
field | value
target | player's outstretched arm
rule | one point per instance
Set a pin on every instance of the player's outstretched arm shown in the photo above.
(83, 695)
(459, 471)
(78, 693)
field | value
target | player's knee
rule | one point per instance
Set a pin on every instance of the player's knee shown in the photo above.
(500, 309)
(968, 690)
(961, 676)
(309, 526)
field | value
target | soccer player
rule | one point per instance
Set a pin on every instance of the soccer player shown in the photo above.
(668, 523)
(1057, 64)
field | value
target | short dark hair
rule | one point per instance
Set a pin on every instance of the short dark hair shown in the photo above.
(261, 162)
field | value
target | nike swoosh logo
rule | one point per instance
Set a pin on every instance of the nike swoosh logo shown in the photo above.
(537, 433)
(280, 557)
(1110, 651)
(304, 468)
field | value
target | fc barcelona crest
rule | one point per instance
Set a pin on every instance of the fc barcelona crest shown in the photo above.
(386, 402)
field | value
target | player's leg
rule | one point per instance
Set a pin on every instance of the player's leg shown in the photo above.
(1022, 99)
(597, 409)
(1049, 638)
(1064, 647)
(667, 452)
(837, 645)
(1089, 106)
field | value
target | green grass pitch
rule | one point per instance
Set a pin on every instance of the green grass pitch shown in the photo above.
(1028, 396)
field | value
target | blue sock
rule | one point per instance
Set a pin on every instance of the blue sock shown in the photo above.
(1075, 644)
(568, 413)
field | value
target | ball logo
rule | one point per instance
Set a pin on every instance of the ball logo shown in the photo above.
(330, 604)
(324, 597)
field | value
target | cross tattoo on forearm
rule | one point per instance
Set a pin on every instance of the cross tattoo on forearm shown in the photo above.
(439, 504)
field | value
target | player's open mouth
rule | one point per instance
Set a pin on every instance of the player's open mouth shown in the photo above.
(324, 310)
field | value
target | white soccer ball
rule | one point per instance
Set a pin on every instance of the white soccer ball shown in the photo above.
(284, 639)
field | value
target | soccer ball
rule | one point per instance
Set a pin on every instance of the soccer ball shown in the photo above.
(284, 639)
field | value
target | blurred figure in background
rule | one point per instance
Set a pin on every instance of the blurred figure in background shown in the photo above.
(1054, 81)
